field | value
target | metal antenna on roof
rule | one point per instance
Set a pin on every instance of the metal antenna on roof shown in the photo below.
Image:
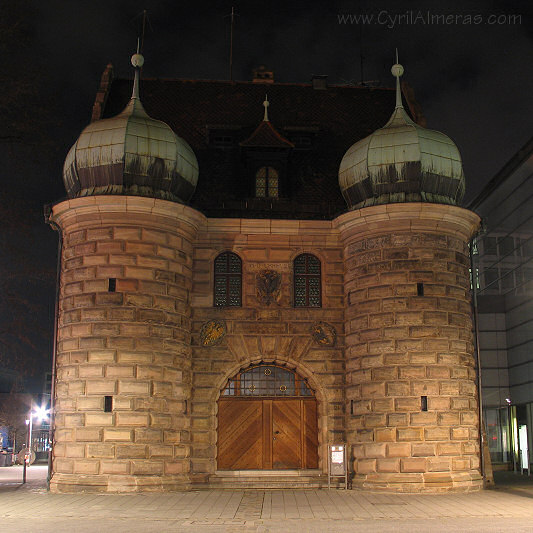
(397, 71)
(232, 15)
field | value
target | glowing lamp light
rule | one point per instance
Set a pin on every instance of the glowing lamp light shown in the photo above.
(41, 413)
(508, 400)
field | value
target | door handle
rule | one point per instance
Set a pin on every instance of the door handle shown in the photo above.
(276, 432)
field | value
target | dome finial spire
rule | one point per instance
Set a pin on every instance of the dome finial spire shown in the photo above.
(266, 103)
(397, 71)
(137, 60)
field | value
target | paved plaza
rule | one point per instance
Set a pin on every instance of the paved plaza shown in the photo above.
(30, 508)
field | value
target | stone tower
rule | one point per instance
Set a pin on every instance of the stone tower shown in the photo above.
(412, 416)
(166, 313)
(124, 357)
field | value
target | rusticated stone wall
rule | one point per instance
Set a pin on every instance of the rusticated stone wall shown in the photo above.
(409, 336)
(132, 344)
(256, 332)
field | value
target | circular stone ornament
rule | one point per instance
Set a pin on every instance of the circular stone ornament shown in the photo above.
(324, 334)
(212, 332)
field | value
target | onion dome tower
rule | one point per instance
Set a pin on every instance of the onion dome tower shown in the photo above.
(412, 420)
(402, 162)
(123, 363)
(131, 154)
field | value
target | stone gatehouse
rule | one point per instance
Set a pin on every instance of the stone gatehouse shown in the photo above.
(225, 334)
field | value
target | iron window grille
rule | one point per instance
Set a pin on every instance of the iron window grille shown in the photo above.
(228, 280)
(307, 281)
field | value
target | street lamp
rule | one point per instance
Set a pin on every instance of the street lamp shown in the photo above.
(41, 413)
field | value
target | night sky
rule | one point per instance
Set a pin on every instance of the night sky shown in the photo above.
(473, 79)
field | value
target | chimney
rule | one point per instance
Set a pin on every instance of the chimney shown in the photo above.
(319, 81)
(262, 74)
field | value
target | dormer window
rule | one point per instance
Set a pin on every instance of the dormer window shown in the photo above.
(267, 183)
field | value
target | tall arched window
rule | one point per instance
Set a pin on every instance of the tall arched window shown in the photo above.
(228, 280)
(307, 282)
(267, 183)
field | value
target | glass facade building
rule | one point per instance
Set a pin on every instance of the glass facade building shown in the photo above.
(502, 266)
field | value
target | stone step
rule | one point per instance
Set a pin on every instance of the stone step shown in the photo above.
(270, 479)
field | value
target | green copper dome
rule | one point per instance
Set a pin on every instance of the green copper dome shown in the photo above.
(402, 162)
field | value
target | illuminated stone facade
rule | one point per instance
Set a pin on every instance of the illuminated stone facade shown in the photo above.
(141, 343)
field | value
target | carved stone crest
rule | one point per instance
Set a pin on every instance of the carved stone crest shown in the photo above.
(268, 286)
(324, 334)
(212, 332)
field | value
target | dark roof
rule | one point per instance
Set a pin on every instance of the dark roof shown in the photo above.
(266, 136)
(198, 111)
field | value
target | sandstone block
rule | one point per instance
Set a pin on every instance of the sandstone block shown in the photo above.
(74, 450)
(100, 450)
(413, 464)
(89, 403)
(125, 356)
(439, 464)
(74, 420)
(90, 371)
(101, 356)
(101, 386)
(437, 433)
(397, 419)
(142, 467)
(449, 448)
(133, 387)
(131, 451)
(398, 449)
(409, 434)
(412, 372)
(388, 465)
(422, 449)
(114, 467)
(86, 467)
(385, 435)
(118, 434)
(132, 419)
(407, 404)
(160, 451)
(84, 434)
(99, 419)
(148, 435)
(365, 466)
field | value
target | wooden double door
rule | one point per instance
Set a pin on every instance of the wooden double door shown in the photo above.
(267, 434)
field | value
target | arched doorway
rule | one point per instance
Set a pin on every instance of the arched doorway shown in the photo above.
(267, 420)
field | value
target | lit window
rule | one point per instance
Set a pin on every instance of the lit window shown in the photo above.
(228, 280)
(307, 281)
(267, 183)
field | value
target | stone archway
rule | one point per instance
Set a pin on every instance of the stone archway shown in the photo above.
(267, 420)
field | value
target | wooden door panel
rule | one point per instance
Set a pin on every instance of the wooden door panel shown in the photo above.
(240, 434)
(310, 434)
(286, 434)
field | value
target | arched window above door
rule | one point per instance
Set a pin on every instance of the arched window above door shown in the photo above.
(267, 380)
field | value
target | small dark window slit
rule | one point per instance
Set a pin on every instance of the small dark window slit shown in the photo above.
(351, 407)
(112, 287)
(108, 404)
(420, 289)
(185, 407)
(423, 403)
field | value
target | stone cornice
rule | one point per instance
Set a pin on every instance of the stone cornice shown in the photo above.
(91, 211)
(412, 217)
